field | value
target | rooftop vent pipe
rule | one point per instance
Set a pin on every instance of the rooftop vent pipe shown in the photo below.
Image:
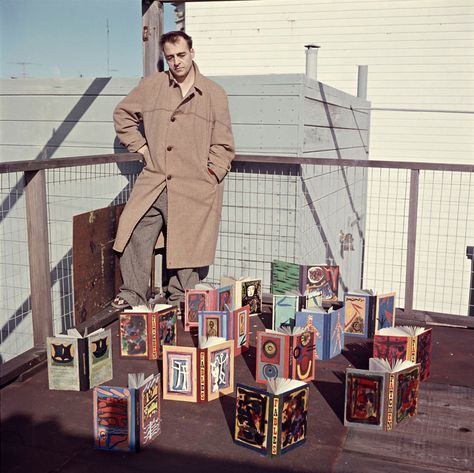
(311, 61)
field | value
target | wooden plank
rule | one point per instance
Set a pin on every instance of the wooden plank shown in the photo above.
(152, 24)
(323, 139)
(38, 254)
(243, 158)
(19, 166)
(78, 134)
(55, 108)
(439, 438)
(411, 239)
(324, 93)
(316, 113)
(17, 366)
(282, 110)
(67, 86)
(421, 317)
(96, 272)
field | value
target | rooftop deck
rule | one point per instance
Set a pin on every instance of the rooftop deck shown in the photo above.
(45, 431)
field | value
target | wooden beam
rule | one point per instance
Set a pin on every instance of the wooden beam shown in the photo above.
(411, 239)
(152, 29)
(38, 254)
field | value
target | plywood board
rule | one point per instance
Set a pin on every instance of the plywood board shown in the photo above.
(95, 266)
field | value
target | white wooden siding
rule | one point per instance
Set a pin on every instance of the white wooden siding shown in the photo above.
(420, 55)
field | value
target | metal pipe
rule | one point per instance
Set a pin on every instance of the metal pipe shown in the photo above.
(311, 61)
(362, 82)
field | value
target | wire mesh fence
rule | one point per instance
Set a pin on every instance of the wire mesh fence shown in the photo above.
(352, 216)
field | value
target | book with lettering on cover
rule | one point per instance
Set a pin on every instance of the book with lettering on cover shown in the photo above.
(200, 374)
(365, 313)
(245, 291)
(274, 421)
(228, 324)
(78, 363)
(204, 297)
(405, 343)
(329, 332)
(126, 419)
(286, 353)
(383, 396)
(144, 331)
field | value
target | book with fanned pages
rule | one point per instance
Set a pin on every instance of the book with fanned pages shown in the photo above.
(78, 363)
(319, 280)
(273, 421)
(200, 374)
(228, 324)
(405, 343)
(144, 331)
(365, 313)
(205, 297)
(245, 291)
(383, 396)
(286, 353)
(126, 419)
(328, 328)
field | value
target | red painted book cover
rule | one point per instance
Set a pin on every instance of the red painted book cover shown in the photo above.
(405, 343)
(144, 331)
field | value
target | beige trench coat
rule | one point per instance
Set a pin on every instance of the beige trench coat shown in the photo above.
(184, 138)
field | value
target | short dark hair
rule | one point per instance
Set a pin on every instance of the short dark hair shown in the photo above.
(173, 37)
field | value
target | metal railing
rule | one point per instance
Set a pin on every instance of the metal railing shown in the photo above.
(409, 223)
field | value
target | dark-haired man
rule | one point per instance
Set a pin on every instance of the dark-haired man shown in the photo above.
(187, 146)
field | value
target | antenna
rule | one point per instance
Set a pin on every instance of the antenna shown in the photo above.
(108, 47)
(23, 65)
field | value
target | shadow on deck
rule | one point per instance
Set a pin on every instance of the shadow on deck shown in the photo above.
(45, 431)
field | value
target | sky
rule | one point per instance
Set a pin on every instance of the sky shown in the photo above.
(68, 38)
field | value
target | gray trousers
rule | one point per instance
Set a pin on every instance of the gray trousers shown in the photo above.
(135, 262)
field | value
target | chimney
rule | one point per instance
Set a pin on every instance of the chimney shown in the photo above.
(311, 61)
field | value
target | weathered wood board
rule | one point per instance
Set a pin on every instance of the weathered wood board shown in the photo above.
(439, 439)
(95, 266)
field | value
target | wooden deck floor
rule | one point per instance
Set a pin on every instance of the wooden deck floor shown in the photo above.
(45, 431)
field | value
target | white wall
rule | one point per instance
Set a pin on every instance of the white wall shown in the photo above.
(419, 53)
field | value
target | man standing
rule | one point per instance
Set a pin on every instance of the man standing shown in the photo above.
(187, 146)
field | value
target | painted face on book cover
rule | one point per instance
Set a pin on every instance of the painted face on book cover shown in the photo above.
(179, 58)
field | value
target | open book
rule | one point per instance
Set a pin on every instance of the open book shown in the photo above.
(274, 421)
(77, 362)
(405, 343)
(383, 396)
(286, 353)
(126, 419)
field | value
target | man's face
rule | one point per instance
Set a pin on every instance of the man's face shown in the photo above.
(179, 58)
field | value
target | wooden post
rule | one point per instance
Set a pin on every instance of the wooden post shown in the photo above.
(152, 21)
(38, 253)
(411, 239)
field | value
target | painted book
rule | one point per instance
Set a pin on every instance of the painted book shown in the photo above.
(328, 330)
(78, 363)
(284, 309)
(320, 278)
(201, 374)
(274, 421)
(405, 343)
(245, 291)
(204, 297)
(126, 419)
(366, 313)
(285, 277)
(286, 353)
(228, 324)
(144, 331)
(383, 396)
